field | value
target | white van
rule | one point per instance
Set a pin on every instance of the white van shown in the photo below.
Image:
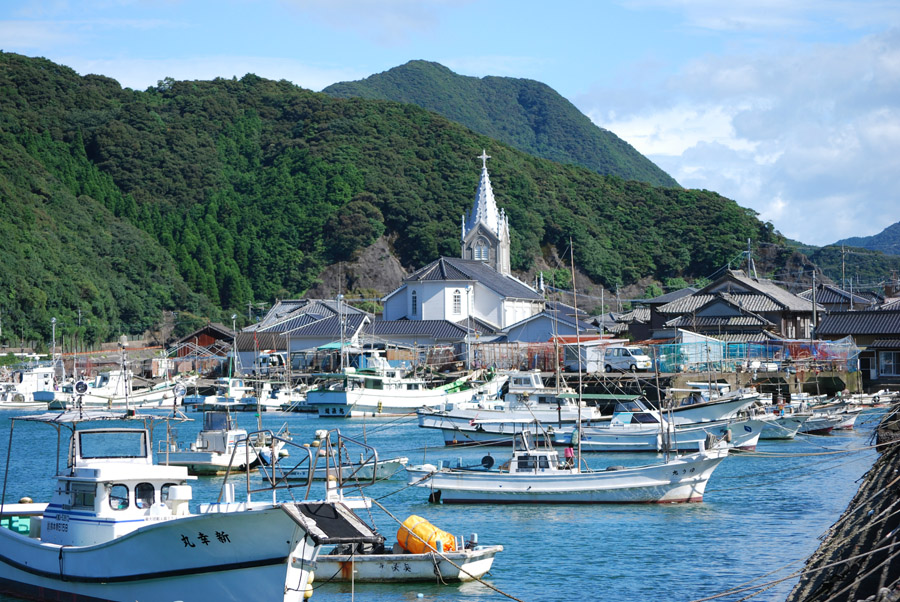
(626, 358)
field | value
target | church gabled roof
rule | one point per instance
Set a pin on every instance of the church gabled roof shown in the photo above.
(485, 209)
(450, 268)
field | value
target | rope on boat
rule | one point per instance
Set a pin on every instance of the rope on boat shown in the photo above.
(830, 451)
(800, 573)
(413, 484)
(444, 557)
(790, 478)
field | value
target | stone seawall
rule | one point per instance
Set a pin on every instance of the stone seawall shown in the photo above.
(860, 557)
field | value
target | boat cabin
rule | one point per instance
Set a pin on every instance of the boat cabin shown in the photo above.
(532, 461)
(110, 488)
(633, 411)
(527, 460)
(219, 434)
(528, 387)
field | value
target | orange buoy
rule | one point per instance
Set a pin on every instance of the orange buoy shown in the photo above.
(418, 526)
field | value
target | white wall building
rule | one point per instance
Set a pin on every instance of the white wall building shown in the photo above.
(478, 285)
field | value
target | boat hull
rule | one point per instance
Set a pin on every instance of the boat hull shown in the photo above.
(783, 427)
(361, 402)
(682, 480)
(385, 469)
(401, 568)
(256, 554)
(207, 463)
(639, 438)
(710, 411)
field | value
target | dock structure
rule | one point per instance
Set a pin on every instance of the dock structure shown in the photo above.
(777, 383)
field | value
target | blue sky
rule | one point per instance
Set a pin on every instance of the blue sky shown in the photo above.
(789, 108)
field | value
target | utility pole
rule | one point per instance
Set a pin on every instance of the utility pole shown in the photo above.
(843, 283)
(815, 316)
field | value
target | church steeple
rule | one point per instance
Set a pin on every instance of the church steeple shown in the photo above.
(485, 229)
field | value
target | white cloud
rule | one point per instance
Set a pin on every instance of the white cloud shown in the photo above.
(808, 136)
(776, 15)
(34, 35)
(388, 22)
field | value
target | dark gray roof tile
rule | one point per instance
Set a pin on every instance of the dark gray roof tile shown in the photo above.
(449, 268)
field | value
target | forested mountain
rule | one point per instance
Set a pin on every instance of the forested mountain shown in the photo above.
(203, 196)
(523, 113)
(886, 241)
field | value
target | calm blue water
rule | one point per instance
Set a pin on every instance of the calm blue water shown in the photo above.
(760, 512)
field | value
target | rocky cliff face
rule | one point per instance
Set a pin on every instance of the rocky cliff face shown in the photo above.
(860, 558)
(375, 271)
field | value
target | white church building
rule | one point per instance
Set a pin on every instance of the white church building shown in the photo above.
(476, 287)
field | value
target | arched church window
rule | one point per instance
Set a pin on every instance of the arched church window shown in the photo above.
(482, 251)
(457, 302)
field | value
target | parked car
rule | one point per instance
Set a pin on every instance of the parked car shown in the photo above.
(626, 358)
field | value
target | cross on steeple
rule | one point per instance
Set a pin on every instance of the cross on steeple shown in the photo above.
(484, 157)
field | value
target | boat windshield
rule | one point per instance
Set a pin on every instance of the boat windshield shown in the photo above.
(216, 421)
(112, 444)
(632, 405)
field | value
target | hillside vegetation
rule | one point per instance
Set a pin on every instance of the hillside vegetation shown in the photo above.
(886, 241)
(522, 113)
(203, 196)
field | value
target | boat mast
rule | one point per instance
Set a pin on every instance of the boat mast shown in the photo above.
(578, 347)
(123, 341)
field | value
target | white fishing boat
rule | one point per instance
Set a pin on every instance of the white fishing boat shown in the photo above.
(383, 390)
(117, 527)
(111, 390)
(377, 564)
(786, 423)
(229, 392)
(536, 476)
(363, 470)
(28, 388)
(696, 408)
(422, 552)
(634, 428)
(820, 424)
(496, 422)
(220, 444)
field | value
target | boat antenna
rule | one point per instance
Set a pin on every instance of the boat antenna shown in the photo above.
(578, 348)
(664, 428)
(123, 342)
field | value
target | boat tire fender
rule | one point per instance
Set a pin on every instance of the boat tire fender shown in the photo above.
(434, 497)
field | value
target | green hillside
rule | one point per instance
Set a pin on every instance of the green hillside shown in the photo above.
(522, 113)
(203, 196)
(886, 241)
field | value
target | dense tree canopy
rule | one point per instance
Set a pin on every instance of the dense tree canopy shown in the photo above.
(200, 196)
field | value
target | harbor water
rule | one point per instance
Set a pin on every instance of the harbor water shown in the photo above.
(762, 516)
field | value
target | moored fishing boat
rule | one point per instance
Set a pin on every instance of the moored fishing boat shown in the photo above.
(219, 445)
(785, 424)
(383, 390)
(421, 553)
(537, 476)
(28, 388)
(377, 564)
(496, 422)
(371, 470)
(120, 528)
(697, 408)
(635, 428)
